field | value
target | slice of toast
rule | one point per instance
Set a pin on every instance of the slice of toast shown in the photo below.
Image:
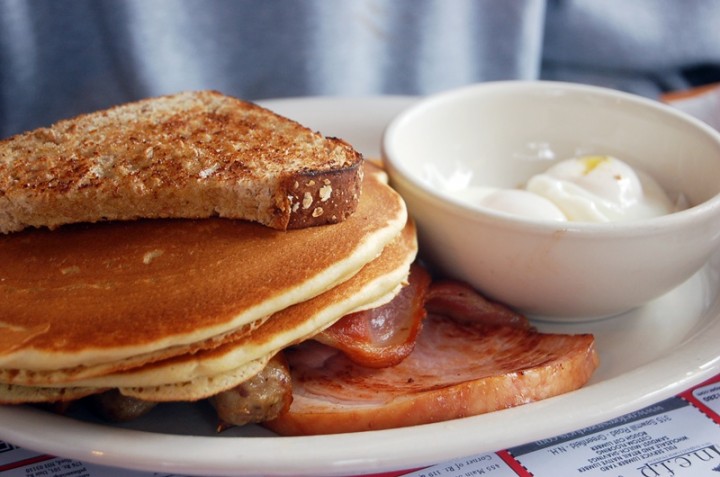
(189, 155)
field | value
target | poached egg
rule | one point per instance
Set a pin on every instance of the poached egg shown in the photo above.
(583, 189)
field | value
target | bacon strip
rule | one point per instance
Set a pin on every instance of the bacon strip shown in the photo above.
(457, 369)
(385, 335)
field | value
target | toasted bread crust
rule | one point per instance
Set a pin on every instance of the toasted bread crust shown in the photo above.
(189, 155)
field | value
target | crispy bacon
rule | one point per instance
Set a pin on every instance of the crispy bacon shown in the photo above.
(385, 335)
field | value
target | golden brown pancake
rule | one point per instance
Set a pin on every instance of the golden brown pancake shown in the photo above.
(88, 295)
(17, 394)
(199, 387)
(198, 375)
(194, 389)
(377, 281)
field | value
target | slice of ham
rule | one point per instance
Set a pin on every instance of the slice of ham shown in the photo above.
(457, 369)
(385, 335)
(460, 301)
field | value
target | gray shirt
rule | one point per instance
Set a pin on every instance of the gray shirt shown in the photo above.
(60, 58)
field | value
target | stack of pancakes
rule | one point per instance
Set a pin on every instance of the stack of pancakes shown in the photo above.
(180, 310)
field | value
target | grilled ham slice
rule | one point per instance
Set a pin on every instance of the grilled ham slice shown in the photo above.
(457, 369)
(461, 302)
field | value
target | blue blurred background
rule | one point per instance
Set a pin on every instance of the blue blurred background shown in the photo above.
(64, 57)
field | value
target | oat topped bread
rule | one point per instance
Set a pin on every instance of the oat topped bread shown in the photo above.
(189, 155)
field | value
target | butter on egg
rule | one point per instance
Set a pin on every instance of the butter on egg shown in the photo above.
(591, 162)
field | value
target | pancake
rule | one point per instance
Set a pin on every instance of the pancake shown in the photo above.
(80, 373)
(377, 283)
(18, 394)
(200, 387)
(202, 374)
(191, 390)
(88, 295)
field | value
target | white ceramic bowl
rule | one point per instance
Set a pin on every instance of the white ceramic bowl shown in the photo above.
(500, 134)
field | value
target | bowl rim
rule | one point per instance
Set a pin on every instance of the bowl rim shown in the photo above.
(398, 171)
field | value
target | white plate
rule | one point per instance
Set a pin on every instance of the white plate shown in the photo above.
(647, 355)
